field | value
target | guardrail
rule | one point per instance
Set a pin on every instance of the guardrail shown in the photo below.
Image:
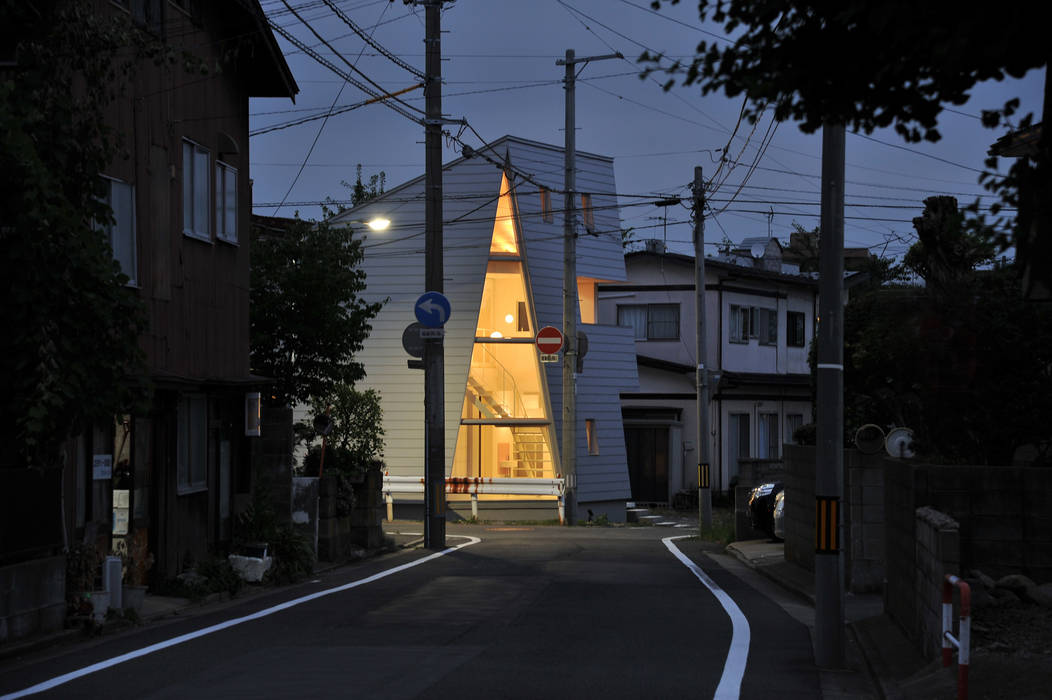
(963, 641)
(473, 486)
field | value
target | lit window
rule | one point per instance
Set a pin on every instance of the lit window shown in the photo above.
(196, 190)
(591, 432)
(546, 205)
(587, 213)
(226, 202)
(121, 198)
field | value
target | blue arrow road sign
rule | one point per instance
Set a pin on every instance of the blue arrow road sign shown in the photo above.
(432, 309)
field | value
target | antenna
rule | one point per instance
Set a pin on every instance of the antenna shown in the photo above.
(869, 439)
(899, 443)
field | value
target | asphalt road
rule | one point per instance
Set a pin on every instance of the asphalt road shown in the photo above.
(521, 613)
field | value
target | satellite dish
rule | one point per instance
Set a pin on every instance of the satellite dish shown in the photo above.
(869, 439)
(757, 250)
(899, 443)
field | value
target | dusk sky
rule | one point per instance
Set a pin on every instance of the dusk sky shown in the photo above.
(500, 74)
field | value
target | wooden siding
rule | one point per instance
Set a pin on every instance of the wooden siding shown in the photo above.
(395, 273)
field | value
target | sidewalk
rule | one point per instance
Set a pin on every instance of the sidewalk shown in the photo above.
(885, 664)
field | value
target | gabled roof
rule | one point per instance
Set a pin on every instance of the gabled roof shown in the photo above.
(737, 270)
(267, 73)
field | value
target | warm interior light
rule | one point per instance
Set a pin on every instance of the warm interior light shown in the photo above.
(378, 224)
(496, 334)
(509, 318)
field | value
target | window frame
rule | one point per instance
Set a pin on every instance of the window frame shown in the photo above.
(648, 324)
(587, 213)
(546, 205)
(766, 325)
(792, 330)
(112, 229)
(591, 431)
(191, 478)
(225, 171)
(190, 177)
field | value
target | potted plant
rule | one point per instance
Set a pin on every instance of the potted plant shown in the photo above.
(137, 564)
(83, 570)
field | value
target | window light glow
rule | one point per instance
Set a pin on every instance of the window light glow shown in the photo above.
(496, 334)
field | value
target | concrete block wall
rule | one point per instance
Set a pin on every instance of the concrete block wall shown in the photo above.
(340, 535)
(32, 598)
(937, 552)
(800, 505)
(864, 519)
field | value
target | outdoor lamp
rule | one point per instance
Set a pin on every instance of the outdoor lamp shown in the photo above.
(378, 223)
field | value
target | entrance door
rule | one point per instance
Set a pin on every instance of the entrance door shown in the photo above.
(647, 448)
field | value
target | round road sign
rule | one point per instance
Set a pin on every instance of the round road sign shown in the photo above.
(549, 340)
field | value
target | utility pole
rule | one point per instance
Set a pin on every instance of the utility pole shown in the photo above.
(702, 379)
(434, 355)
(569, 441)
(829, 470)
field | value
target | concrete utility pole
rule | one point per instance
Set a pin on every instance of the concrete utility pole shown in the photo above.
(829, 470)
(702, 379)
(569, 441)
(434, 355)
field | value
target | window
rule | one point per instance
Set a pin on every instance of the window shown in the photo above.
(767, 443)
(121, 198)
(587, 213)
(592, 435)
(738, 447)
(192, 447)
(546, 205)
(796, 337)
(226, 202)
(741, 323)
(752, 322)
(196, 201)
(767, 326)
(650, 321)
(792, 422)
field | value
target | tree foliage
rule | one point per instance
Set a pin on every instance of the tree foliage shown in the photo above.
(69, 347)
(893, 63)
(307, 318)
(962, 360)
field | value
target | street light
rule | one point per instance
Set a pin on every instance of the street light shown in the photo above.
(377, 223)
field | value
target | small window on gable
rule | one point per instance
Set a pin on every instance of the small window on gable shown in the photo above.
(587, 213)
(546, 205)
(226, 202)
(592, 434)
(196, 191)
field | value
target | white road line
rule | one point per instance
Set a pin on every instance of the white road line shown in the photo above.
(738, 654)
(87, 670)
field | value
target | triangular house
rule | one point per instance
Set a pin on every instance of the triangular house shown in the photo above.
(503, 277)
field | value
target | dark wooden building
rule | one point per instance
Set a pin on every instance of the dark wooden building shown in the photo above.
(171, 479)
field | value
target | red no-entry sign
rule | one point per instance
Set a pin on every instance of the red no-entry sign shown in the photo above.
(549, 340)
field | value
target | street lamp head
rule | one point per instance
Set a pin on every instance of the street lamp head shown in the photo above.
(378, 223)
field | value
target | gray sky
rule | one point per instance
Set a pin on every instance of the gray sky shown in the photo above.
(500, 75)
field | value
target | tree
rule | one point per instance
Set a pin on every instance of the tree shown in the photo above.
(878, 64)
(70, 325)
(962, 360)
(307, 318)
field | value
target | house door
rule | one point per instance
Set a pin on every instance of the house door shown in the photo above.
(647, 449)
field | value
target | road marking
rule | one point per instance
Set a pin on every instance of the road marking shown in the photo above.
(102, 665)
(738, 654)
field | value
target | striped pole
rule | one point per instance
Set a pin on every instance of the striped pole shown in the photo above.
(962, 643)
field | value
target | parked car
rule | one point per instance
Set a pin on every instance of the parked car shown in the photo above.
(761, 506)
(779, 515)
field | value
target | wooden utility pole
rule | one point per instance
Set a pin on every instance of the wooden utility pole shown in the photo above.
(829, 469)
(702, 378)
(569, 432)
(434, 356)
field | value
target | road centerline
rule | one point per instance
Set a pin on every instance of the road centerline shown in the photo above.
(729, 687)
